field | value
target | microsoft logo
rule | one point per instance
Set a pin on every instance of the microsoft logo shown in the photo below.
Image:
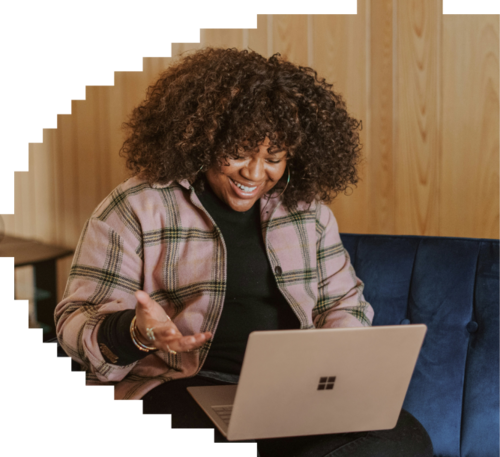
(326, 383)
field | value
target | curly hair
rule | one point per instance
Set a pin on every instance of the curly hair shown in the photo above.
(211, 103)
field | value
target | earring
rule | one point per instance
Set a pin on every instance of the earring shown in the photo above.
(287, 181)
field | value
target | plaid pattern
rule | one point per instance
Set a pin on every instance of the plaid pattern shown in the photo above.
(160, 239)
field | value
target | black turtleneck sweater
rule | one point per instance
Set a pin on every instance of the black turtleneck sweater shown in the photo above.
(252, 302)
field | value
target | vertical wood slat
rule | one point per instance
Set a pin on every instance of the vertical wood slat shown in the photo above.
(67, 202)
(469, 179)
(229, 38)
(67, 228)
(20, 192)
(379, 118)
(340, 47)
(85, 134)
(115, 116)
(43, 204)
(410, 186)
(54, 141)
(178, 49)
(290, 37)
(310, 41)
(258, 38)
(417, 117)
(244, 39)
(55, 147)
(270, 34)
(101, 109)
(30, 223)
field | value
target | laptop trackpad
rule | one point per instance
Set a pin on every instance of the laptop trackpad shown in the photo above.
(209, 396)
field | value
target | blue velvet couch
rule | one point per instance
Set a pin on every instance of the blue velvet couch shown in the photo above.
(452, 286)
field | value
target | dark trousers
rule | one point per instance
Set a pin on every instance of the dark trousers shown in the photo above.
(408, 438)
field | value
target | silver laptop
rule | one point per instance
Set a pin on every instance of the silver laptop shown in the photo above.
(311, 382)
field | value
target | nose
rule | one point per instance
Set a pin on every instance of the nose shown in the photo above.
(254, 170)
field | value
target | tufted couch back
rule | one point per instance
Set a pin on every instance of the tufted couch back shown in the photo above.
(452, 286)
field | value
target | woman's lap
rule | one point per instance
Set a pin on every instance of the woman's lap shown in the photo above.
(408, 438)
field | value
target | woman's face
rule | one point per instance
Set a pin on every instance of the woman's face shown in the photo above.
(246, 179)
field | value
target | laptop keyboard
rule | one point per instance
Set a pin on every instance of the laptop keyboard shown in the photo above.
(224, 412)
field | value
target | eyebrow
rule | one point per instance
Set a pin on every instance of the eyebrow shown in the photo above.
(279, 151)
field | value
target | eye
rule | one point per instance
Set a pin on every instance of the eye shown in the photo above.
(270, 161)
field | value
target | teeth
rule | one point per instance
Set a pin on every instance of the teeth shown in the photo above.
(244, 188)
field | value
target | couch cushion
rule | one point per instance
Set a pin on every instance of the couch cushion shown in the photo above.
(480, 422)
(449, 285)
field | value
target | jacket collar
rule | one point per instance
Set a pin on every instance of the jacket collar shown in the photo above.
(267, 205)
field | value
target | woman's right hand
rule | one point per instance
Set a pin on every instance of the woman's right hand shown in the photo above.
(150, 314)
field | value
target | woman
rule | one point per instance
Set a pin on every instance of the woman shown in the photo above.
(221, 231)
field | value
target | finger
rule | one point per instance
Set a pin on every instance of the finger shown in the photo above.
(188, 343)
(181, 339)
(143, 298)
(167, 332)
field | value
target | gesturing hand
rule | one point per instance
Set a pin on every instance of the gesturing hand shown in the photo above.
(149, 314)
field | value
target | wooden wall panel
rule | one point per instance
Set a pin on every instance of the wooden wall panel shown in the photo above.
(379, 116)
(417, 117)
(469, 161)
(227, 38)
(258, 38)
(340, 47)
(55, 147)
(69, 211)
(43, 182)
(179, 49)
(102, 140)
(87, 155)
(153, 67)
(114, 117)
(9, 220)
(290, 37)
(424, 85)
(28, 185)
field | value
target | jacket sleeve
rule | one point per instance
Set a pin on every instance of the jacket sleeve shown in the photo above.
(106, 271)
(340, 292)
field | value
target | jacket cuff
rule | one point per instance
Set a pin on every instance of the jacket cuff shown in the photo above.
(114, 339)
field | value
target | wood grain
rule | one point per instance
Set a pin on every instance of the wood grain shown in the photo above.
(379, 120)
(340, 48)
(21, 191)
(290, 37)
(178, 49)
(258, 38)
(67, 208)
(84, 138)
(417, 119)
(120, 109)
(469, 184)
(425, 86)
(102, 141)
(43, 196)
(224, 38)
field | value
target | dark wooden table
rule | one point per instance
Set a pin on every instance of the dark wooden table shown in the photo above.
(42, 257)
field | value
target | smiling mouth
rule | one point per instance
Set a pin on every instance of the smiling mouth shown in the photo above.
(242, 193)
(242, 187)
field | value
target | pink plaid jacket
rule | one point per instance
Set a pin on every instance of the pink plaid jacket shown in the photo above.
(160, 239)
